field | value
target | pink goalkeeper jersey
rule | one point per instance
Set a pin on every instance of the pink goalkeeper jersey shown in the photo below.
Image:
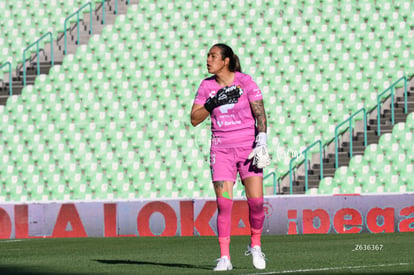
(232, 125)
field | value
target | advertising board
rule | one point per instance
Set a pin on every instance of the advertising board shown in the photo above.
(295, 214)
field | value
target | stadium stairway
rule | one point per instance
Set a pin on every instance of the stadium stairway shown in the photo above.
(358, 147)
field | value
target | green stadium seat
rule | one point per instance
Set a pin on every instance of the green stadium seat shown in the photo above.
(39, 192)
(394, 152)
(371, 185)
(405, 172)
(355, 164)
(410, 121)
(394, 184)
(371, 152)
(312, 191)
(59, 192)
(345, 181)
(81, 192)
(409, 152)
(327, 187)
(103, 192)
(126, 191)
(385, 139)
(147, 192)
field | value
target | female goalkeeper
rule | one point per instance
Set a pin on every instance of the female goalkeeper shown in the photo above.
(238, 145)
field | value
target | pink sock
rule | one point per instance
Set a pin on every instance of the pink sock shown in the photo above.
(224, 247)
(256, 218)
(255, 237)
(224, 207)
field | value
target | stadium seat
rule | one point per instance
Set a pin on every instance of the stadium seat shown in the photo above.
(410, 121)
(371, 153)
(326, 186)
(356, 163)
(371, 185)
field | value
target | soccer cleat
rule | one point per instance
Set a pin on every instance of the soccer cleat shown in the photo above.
(258, 256)
(223, 264)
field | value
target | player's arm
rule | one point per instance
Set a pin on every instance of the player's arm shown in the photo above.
(260, 115)
(225, 95)
(198, 114)
(260, 154)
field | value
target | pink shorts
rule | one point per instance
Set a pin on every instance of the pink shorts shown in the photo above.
(226, 162)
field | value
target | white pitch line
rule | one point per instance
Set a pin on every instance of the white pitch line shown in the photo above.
(326, 269)
(10, 241)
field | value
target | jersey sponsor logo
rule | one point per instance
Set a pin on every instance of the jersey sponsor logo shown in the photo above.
(257, 93)
(212, 93)
(228, 123)
(224, 109)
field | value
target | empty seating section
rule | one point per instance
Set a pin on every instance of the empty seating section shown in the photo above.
(384, 167)
(23, 22)
(113, 120)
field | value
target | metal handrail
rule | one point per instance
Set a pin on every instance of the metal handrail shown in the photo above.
(37, 52)
(305, 152)
(103, 12)
(10, 76)
(77, 13)
(103, 9)
(391, 88)
(349, 120)
(274, 181)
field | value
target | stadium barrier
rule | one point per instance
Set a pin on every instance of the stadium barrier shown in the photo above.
(296, 214)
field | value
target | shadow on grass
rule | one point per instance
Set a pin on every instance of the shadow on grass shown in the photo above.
(177, 265)
(18, 270)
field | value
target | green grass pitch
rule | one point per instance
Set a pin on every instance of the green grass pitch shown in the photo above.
(390, 253)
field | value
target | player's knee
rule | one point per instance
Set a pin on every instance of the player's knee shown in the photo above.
(256, 204)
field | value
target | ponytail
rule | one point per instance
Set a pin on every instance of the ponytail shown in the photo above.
(227, 52)
(237, 66)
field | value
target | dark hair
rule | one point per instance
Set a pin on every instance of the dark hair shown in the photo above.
(226, 51)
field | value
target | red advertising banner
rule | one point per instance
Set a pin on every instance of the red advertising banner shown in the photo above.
(297, 214)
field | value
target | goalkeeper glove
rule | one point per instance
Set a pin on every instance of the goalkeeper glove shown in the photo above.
(260, 154)
(226, 95)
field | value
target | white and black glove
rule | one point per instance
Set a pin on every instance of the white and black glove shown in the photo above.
(260, 154)
(226, 95)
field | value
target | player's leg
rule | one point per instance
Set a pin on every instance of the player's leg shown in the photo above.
(224, 194)
(252, 179)
(254, 192)
(224, 174)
